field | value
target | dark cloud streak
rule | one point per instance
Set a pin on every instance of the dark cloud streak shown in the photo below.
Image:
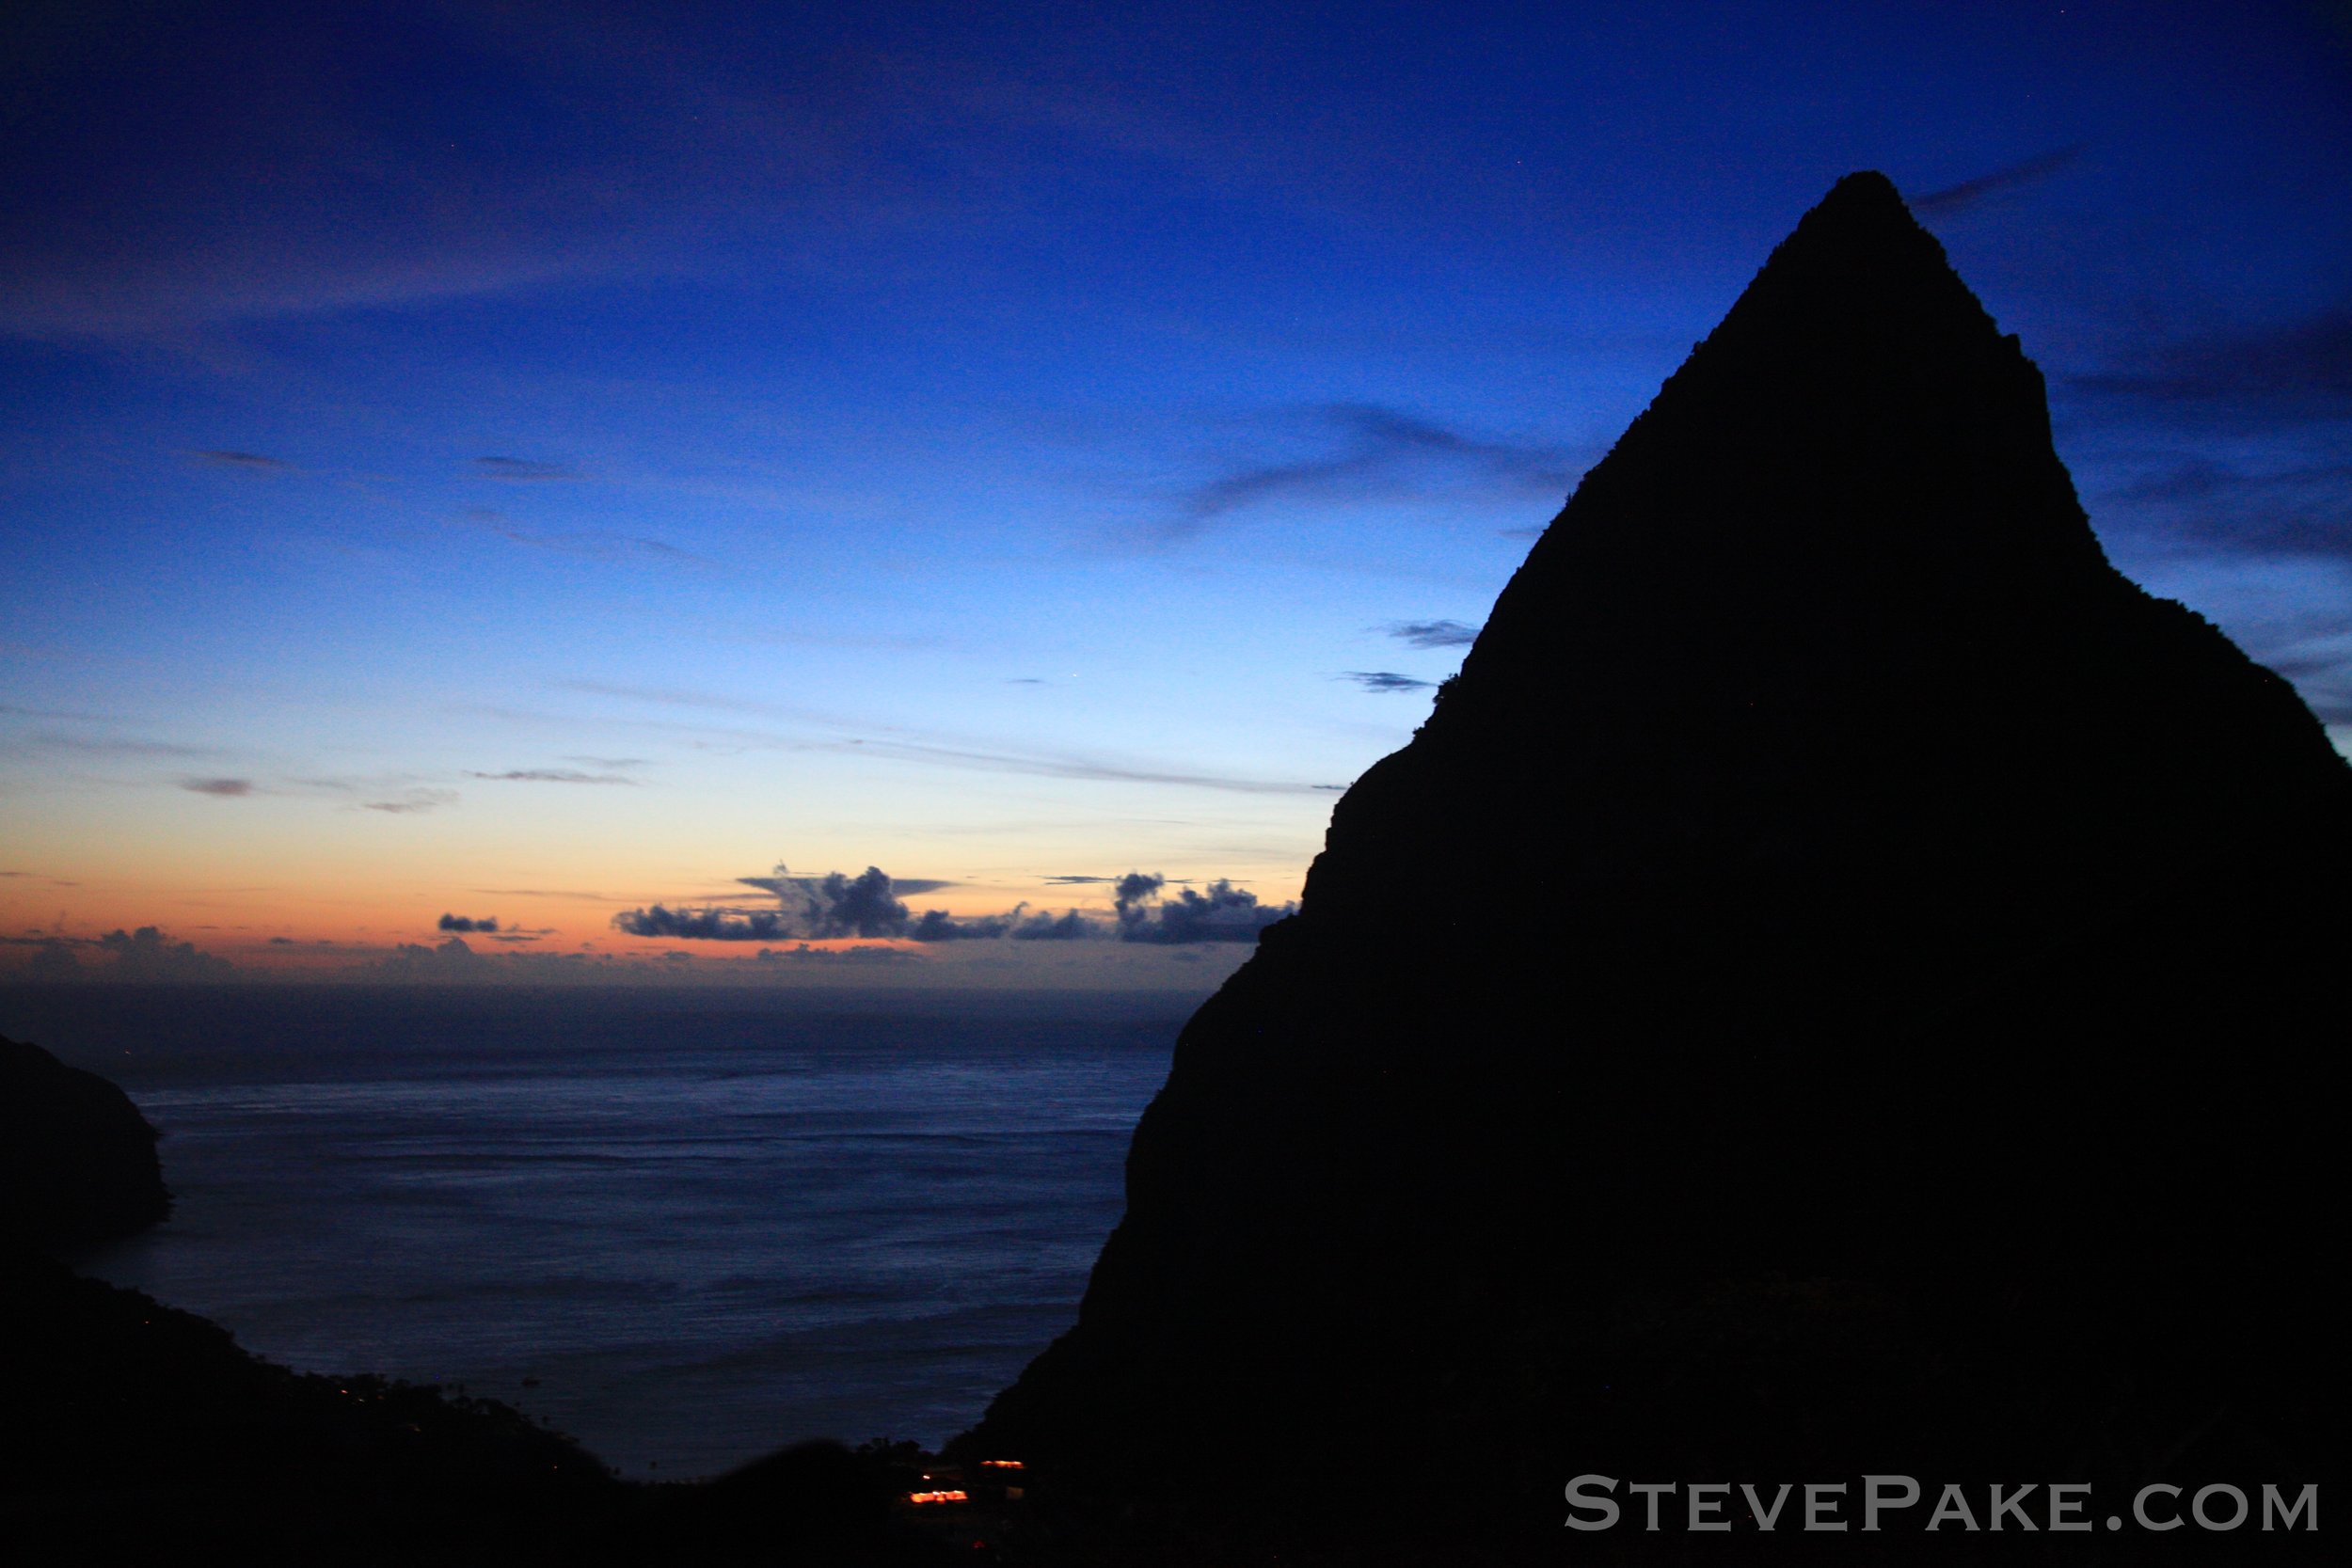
(942, 752)
(1383, 454)
(249, 462)
(549, 775)
(2252, 377)
(1432, 634)
(519, 470)
(1958, 199)
(2297, 511)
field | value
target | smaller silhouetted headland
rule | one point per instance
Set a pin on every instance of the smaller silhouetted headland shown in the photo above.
(78, 1161)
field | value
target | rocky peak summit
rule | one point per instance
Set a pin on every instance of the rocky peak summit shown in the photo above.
(1846, 883)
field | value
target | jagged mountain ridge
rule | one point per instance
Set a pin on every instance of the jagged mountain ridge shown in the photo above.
(1825, 866)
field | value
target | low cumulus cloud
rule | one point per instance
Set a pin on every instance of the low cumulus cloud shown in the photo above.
(1384, 680)
(455, 963)
(835, 907)
(853, 957)
(484, 924)
(706, 925)
(1068, 926)
(449, 960)
(1432, 634)
(52, 959)
(1219, 912)
(148, 954)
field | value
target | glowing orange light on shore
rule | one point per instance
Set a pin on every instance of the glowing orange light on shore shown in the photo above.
(939, 1496)
(1002, 1465)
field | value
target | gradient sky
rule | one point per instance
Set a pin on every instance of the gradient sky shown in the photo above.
(538, 461)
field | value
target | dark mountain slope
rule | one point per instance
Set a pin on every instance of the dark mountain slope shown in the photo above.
(1826, 868)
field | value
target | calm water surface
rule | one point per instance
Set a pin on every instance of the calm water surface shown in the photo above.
(705, 1224)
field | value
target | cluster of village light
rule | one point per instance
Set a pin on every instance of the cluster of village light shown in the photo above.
(957, 1494)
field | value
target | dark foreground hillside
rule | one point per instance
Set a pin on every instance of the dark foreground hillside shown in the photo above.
(136, 1432)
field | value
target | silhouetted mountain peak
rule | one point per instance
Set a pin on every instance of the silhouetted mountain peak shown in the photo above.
(1855, 429)
(1824, 866)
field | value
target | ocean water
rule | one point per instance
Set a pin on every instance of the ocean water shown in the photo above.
(702, 1223)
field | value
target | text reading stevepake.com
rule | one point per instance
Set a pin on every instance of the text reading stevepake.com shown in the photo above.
(1895, 1502)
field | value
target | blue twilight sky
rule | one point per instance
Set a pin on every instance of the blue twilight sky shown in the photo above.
(535, 460)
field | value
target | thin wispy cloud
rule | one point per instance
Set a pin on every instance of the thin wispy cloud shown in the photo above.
(1432, 634)
(412, 802)
(519, 470)
(1384, 680)
(247, 461)
(587, 543)
(1369, 452)
(704, 128)
(2254, 378)
(2300, 510)
(901, 745)
(230, 788)
(572, 894)
(74, 715)
(1969, 192)
(781, 884)
(550, 775)
(116, 746)
(2321, 669)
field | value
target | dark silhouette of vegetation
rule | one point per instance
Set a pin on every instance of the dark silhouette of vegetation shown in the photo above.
(136, 1432)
